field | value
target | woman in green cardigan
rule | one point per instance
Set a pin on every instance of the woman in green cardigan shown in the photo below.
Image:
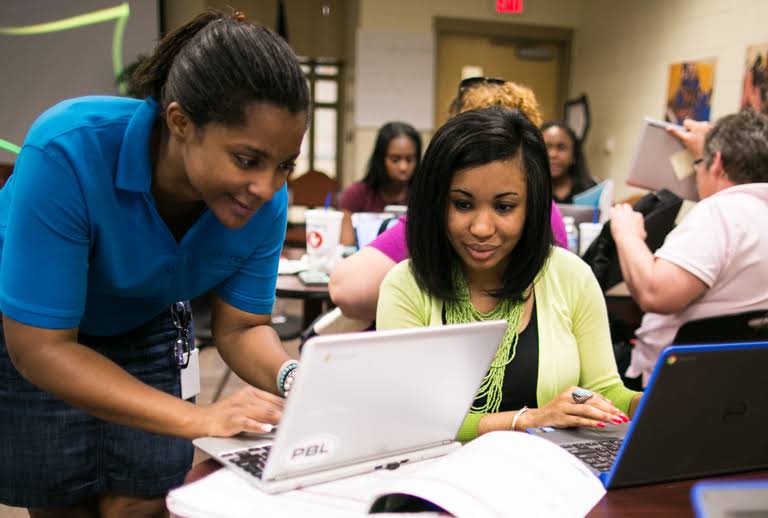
(487, 253)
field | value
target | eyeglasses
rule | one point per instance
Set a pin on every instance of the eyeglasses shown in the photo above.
(469, 83)
(696, 163)
(181, 317)
(472, 81)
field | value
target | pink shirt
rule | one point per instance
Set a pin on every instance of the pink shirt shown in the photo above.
(724, 242)
(392, 242)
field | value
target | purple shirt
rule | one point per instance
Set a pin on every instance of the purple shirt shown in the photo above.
(392, 242)
(558, 227)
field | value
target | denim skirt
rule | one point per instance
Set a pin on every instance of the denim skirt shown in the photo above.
(53, 454)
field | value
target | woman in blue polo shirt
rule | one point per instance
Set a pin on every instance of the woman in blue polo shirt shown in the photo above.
(118, 209)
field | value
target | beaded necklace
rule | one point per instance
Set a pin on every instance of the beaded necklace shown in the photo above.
(462, 311)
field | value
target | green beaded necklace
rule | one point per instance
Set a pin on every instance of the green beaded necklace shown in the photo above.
(462, 311)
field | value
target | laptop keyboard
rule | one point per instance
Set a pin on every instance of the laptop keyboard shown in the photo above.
(598, 454)
(251, 460)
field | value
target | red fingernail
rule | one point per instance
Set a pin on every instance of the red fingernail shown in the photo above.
(625, 418)
(617, 420)
(600, 425)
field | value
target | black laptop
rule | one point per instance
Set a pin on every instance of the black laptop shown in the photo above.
(704, 413)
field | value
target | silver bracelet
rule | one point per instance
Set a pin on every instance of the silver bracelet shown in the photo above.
(517, 415)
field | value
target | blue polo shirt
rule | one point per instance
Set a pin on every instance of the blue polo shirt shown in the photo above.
(82, 243)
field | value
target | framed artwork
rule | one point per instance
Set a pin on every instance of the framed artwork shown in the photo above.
(689, 91)
(755, 87)
(577, 116)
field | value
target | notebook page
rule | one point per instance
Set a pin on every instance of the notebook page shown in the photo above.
(503, 474)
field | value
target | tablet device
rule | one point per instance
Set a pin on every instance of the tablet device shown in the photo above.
(313, 278)
(662, 162)
(737, 498)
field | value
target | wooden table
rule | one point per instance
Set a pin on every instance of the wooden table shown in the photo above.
(289, 286)
(314, 297)
(670, 499)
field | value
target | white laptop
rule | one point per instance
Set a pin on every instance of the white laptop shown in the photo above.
(367, 401)
(661, 162)
(368, 225)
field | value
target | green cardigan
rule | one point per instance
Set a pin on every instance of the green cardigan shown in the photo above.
(574, 339)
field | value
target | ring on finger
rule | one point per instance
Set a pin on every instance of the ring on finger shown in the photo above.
(581, 396)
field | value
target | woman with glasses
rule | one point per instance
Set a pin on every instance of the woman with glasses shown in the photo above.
(354, 284)
(482, 251)
(394, 159)
(570, 175)
(117, 209)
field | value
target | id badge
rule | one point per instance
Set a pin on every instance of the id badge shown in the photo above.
(190, 376)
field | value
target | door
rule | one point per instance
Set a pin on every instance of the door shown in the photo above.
(536, 65)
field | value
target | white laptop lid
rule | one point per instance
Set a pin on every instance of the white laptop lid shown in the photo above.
(657, 158)
(360, 396)
(368, 224)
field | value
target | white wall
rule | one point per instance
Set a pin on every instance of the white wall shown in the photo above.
(621, 56)
(407, 16)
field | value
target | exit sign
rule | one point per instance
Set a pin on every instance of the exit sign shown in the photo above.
(509, 6)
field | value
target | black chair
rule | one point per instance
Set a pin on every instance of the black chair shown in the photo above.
(740, 327)
(751, 326)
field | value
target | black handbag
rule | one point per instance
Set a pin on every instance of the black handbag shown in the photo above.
(659, 210)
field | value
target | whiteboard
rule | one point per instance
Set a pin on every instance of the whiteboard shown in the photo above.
(395, 78)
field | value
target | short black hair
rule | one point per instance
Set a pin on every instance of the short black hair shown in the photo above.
(578, 170)
(215, 65)
(471, 139)
(742, 139)
(376, 177)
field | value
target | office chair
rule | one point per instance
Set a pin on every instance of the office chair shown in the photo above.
(311, 188)
(308, 190)
(751, 326)
(740, 327)
(333, 322)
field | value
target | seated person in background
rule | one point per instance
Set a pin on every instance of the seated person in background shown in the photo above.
(713, 263)
(566, 161)
(390, 168)
(354, 284)
(482, 250)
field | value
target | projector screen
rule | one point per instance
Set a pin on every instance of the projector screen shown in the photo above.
(52, 50)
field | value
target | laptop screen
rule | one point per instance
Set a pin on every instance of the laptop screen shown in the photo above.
(368, 225)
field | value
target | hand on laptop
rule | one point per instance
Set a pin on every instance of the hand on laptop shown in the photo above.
(693, 138)
(563, 412)
(247, 410)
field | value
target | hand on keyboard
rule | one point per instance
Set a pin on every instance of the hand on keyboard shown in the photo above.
(247, 410)
(564, 412)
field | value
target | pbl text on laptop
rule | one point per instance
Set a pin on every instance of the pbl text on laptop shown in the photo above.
(365, 401)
